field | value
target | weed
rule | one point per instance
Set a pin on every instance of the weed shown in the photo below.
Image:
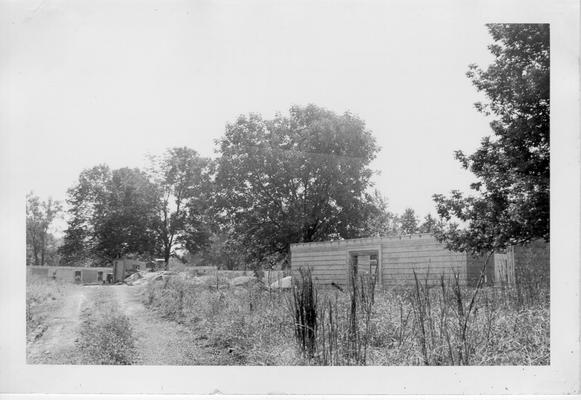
(441, 323)
(106, 338)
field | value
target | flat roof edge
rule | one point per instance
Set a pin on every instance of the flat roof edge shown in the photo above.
(367, 240)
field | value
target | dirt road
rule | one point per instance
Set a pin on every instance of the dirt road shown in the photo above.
(55, 343)
(157, 341)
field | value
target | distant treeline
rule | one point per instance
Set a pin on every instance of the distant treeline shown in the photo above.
(297, 178)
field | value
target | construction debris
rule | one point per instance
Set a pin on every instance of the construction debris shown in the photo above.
(131, 279)
(243, 281)
(284, 283)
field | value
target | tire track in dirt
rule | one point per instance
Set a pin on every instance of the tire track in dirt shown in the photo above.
(57, 343)
(159, 341)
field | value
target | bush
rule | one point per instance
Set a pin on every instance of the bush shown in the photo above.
(106, 338)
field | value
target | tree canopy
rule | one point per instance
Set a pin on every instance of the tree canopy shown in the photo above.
(180, 177)
(126, 211)
(110, 215)
(511, 196)
(39, 217)
(409, 221)
(297, 178)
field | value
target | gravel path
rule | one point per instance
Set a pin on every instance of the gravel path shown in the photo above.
(55, 343)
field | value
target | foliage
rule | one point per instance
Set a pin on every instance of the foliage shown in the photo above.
(429, 225)
(111, 214)
(253, 326)
(382, 222)
(106, 337)
(180, 178)
(223, 251)
(40, 243)
(511, 204)
(408, 222)
(297, 178)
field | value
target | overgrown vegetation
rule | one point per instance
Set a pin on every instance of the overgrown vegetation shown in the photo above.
(427, 324)
(106, 336)
(244, 325)
(42, 298)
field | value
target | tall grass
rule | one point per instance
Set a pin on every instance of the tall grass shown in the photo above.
(106, 336)
(332, 331)
(242, 325)
(434, 322)
(42, 295)
(305, 309)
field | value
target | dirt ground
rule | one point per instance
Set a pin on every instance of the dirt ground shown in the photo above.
(158, 341)
(56, 344)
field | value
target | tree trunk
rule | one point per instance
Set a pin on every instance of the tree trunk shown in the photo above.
(35, 251)
(42, 250)
(166, 256)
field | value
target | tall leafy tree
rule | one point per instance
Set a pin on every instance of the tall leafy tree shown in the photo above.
(110, 215)
(297, 178)
(429, 225)
(123, 222)
(510, 202)
(382, 222)
(82, 199)
(408, 222)
(39, 217)
(181, 179)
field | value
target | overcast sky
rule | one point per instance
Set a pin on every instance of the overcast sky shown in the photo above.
(94, 82)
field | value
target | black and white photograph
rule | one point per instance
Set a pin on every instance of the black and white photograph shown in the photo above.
(291, 184)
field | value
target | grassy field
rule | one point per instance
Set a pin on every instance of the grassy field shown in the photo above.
(207, 320)
(421, 325)
(43, 297)
(106, 336)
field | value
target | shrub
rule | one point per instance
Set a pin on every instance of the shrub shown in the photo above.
(107, 339)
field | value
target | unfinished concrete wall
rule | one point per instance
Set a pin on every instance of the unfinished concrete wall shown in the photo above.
(532, 263)
(398, 258)
(474, 268)
(71, 274)
(401, 256)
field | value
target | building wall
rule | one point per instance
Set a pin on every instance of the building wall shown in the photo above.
(532, 262)
(399, 257)
(64, 274)
(474, 268)
(503, 272)
(39, 271)
(327, 260)
(422, 254)
(88, 275)
(123, 267)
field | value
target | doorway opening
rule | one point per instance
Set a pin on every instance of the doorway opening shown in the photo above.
(364, 262)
